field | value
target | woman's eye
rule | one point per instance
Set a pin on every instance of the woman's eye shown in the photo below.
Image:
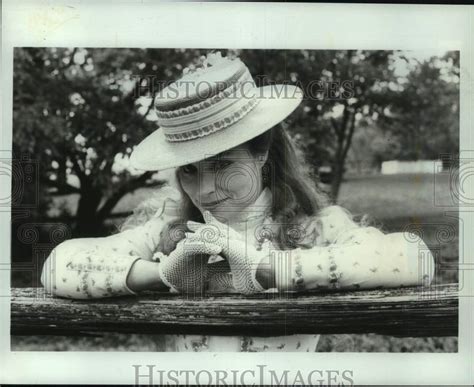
(189, 169)
(223, 164)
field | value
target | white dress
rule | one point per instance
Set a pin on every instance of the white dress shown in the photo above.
(336, 253)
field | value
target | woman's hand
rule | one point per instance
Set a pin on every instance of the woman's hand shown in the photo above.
(243, 258)
(185, 268)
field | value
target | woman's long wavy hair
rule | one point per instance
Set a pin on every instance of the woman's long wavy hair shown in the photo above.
(295, 193)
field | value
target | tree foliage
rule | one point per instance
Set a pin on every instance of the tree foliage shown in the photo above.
(79, 112)
(424, 114)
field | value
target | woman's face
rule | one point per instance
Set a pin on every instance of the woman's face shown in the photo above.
(225, 183)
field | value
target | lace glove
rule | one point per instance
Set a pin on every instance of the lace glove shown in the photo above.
(220, 277)
(243, 258)
(185, 269)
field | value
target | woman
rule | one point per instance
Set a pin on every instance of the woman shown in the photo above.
(243, 217)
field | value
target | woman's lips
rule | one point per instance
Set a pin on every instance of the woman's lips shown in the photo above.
(213, 204)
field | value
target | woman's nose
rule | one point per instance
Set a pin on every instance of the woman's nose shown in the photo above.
(207, 184)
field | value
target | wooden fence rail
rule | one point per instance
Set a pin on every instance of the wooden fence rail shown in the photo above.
(401, 312)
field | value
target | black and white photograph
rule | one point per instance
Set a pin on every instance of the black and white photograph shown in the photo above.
(275, 173)
(243, 204)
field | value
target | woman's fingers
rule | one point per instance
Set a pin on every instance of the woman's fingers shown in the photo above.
(212, 229)
(192, 237)
(221, 239)
(225, 229)
(191, 246)
(222, 242)
(207, 248)
(208, 232)
(199, 238)
(194, 226)
(210, 219)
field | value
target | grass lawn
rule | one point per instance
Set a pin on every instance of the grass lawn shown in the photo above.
(394, 202)
(398, 196)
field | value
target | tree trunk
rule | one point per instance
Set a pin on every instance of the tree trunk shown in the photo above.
(338, 168)
(87, 223)
(344, 133)
(113, 199)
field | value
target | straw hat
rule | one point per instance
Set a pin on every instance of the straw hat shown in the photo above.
(211, 110)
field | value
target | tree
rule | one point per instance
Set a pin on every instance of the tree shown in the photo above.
(77, 111)
(424, 115)
(343, 89)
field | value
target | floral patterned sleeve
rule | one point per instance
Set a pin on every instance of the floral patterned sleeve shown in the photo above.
(98, 267)
(346, 256)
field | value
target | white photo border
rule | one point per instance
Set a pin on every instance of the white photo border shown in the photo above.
(236, 25)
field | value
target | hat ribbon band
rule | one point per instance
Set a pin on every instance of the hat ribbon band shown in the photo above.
(232, 91)
(226, 117)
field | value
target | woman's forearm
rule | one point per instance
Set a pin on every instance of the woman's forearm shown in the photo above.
(98, 268)
(144, 275)
(86, 268)
(368, 260)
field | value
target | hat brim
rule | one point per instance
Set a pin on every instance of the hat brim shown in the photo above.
(156, 153)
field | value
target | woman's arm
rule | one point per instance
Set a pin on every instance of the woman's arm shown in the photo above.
(104, 267)
(346, 256)
(338, 253)
(363, 258)
(145, 275)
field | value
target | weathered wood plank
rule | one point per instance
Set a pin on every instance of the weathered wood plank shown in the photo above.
(399, 312)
